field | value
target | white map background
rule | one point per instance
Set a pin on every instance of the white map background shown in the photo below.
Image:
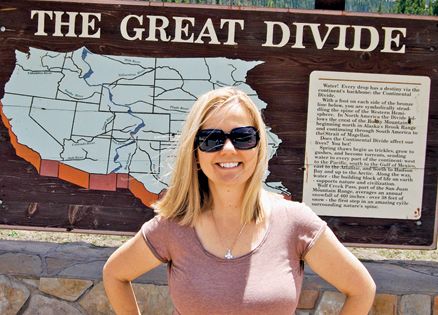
(114, 114)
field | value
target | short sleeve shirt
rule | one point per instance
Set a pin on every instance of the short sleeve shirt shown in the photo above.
(266, 280)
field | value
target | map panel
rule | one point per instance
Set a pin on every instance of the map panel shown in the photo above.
(89, 154)
(110, 115)
(89, 120)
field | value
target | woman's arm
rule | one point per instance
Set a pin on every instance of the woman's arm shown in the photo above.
(334, 263)
(128, 262)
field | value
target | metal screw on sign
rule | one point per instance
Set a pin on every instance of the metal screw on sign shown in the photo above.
(1, 202)
(417, 213)
(2, 29)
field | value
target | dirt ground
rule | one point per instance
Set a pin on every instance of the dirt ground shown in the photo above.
(115, 241)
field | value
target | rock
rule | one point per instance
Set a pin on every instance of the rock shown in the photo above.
(404, 277)
(41, 305)
(157, 276)
(153, 299)
(384, 304)
(330, 304)
(56, 265)
(77, 260)
(435, 305)
(13, 295)
(32, 282)
(415, 304)
(66, 289)
(308, 299)
(96, 302)
(20, 264)
(87, 270)
(80, 251)
(28, 247)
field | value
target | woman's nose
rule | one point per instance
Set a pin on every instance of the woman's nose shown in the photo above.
(228, 146)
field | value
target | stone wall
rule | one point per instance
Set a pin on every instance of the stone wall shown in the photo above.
(47, 278)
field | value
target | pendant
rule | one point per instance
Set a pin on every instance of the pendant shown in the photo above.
(228, 255)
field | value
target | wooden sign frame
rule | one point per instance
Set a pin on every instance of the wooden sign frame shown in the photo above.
(290, 45)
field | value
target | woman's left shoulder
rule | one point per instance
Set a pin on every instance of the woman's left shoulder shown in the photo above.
(298, 223)
(294, 212)
(284, 204)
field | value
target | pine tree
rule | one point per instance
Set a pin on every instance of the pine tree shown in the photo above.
(434, 6)
(412, 7)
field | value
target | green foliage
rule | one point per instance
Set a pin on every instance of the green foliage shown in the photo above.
(434, 8)
(419, 7)
(380, 6)
(412, 7)
(12, 234)
(303, 4)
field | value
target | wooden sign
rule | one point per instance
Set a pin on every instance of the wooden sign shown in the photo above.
(93, 99)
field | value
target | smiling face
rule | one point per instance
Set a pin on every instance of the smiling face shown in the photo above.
(228, 167)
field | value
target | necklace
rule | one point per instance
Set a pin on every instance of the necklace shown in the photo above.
(228, 254)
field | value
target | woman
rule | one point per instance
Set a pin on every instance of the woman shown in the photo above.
(231, 247)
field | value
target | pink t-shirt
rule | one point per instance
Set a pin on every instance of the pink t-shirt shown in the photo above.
(265, 281)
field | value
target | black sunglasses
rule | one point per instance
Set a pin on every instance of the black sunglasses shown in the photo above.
(213, 140)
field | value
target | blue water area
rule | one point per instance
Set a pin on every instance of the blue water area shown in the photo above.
(84, 53)
(116, 169)
(88, 74)
(84, 56)
(110, 95)
(141, 125)
(138, 127)
(116, 157)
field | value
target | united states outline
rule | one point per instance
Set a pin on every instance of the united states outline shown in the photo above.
(106, 122)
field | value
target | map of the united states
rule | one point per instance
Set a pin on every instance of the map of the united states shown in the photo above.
(106, 122)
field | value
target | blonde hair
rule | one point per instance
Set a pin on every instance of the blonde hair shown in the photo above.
(188, 194)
